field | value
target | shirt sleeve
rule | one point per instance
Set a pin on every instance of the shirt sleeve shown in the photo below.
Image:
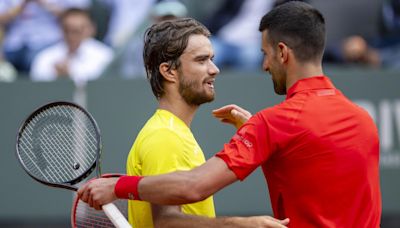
(250, 147)
(162, 152)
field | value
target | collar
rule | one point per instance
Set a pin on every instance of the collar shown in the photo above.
(311, 83)
(172, 120)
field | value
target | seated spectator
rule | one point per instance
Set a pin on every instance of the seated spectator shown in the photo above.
(236, 38)
(30, 26)
(78, 56)
(128, 61)
(125, 19)
(380, 51)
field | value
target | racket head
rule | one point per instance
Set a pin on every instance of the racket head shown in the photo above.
(59, 144)
(82, 215)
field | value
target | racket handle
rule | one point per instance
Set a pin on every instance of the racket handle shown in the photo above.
(116, 217)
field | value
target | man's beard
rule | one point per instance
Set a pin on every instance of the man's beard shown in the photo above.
(192, 93)
(279, 89)
(279, 81)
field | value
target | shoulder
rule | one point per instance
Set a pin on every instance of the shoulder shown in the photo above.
(287, 111)
(155, 132)
(97, 46)
(58, 49)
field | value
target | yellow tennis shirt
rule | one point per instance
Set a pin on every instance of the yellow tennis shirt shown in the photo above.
(165, 144)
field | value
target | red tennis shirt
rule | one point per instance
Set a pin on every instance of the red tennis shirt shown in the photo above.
(320, 156)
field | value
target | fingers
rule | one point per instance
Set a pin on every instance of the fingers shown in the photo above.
(83, 193)
(232, 114)
(285, 221)
(272, 222)
(86, 194)
(227, 109)
(240, 116)
(98, 192)
(243, 113)
(224, 109)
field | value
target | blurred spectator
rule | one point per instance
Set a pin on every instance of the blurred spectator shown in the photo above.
(167, 10)
(126, 18)
(31, 25)
(78, 56)
(7, 70)
(129, 59)
(390, 23)
(236, 38)
(380, 51)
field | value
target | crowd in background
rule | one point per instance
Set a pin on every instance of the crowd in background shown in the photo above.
(82, 40)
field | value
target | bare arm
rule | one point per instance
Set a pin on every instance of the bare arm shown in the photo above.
(232, 114)
(11, 14)
(51, 7)
(175, 188)
(180, 188)
(171, 216)
(187, 186)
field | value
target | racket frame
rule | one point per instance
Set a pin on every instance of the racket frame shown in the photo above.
(96, 163)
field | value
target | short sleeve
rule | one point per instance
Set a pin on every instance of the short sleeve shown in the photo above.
(249, 147)
(162, 152)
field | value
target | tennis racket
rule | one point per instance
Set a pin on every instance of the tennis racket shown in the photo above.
(82, 215)
(59, 145)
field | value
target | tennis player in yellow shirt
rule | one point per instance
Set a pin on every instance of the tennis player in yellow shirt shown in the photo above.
(178, 58)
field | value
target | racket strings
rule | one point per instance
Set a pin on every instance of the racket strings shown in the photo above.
(59, 144)
(85, 216)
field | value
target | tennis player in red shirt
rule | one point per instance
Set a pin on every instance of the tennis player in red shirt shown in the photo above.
(319, 151)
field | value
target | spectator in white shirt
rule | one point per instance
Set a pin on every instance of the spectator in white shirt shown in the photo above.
(78, 56)
(30, 26)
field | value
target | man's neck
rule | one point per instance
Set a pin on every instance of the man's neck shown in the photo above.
(179, 108)
(301, 71)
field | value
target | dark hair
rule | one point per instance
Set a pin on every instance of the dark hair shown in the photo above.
(165, 42)
(299, 26)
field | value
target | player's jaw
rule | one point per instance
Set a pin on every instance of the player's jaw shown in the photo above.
(279, 81)
(197, 92)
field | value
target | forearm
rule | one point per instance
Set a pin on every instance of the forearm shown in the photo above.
(178, 220)
(51, 7)
(187, 186)
(172, 216)
(10, 15)
(199, 222)
(169, 189)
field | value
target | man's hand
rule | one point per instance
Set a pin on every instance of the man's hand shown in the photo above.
(62, 68)
(98, 192)
(232, 114)
(262, 222)
(259, 222)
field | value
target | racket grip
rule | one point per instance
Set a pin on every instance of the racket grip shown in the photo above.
(116, 217)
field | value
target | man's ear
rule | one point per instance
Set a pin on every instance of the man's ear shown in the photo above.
(283, 52)
(168, 73)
